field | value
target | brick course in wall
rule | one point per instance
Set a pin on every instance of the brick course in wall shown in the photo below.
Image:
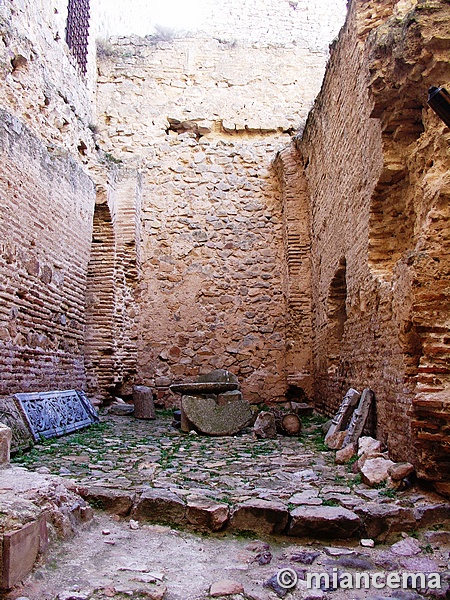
(45, 234)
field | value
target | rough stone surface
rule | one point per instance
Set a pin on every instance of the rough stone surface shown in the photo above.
(5, 444)
(345, 454)
(323, 522)
(375, 470)
(144, 407)
(369, 446)
(381, 520)
(400, 470)
(209, 417)
(225, 587)
(118, 502)
(265, 426)
(206, 515)
(261, 516)
(159, 506)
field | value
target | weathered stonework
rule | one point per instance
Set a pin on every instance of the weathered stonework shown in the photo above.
(200, 119)
(43, 263)
(376, 163)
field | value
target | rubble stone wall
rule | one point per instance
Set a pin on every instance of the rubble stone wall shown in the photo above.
(201, 120)
(377, 165)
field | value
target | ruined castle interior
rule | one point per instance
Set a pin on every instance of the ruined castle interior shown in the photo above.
(267, 194)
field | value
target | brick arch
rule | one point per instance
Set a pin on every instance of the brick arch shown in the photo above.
(100, 299)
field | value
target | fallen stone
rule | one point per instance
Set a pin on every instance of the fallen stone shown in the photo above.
(304, 557)
(121, 409)
(406, 547)
(400, 470)
(115, 501)
(369, 446)
(273, 584)
(381, 520)
(367, 543)
(226, 587)
(375, 470)
(264, 426)
(210, 418)
(336, 440)
(160, 506)
(345, 454)
(419, 564)
(338, 551)
(354, 561)
(206, 515)
(5, 443)
(261, 516)
(323, 522)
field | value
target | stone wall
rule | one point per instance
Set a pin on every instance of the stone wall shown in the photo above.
(201, 120)
(376, 163)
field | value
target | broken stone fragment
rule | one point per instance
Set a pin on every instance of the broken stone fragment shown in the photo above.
(336, 440)
(226, 587)
(206, 515)
(345, 454)
(210, 418)
(406, 547)
(265, 426)
(399, 471)
(375, 470)
(369, 446)
(342, 418)
(323, 522)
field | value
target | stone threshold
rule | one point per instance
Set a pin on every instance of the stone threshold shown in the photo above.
(265, 517)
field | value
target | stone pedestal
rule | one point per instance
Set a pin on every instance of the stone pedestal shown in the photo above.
(144, 407)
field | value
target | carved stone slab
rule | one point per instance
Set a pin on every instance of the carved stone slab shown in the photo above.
(359, 418)
(50, 414)
(344, 413)
(11, 415)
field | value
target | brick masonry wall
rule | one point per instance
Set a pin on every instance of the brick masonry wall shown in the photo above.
(45, 233)
(376, 161)
(47, 199)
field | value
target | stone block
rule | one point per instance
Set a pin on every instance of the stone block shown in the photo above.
(375, 470)
(381, 520)
(206, 515)
(19, 551)
(160, 506)
(5, 444)
(116, 501)
(323, 522)
(260, 516)
(210, 418)
(343, 416)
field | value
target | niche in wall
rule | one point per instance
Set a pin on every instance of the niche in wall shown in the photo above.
(337, 314)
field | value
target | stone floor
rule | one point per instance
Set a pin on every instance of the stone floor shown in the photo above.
(137, 456)
(122, 555)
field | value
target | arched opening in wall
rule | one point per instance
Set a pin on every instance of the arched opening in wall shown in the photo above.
(337, 314)
(99, 338)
